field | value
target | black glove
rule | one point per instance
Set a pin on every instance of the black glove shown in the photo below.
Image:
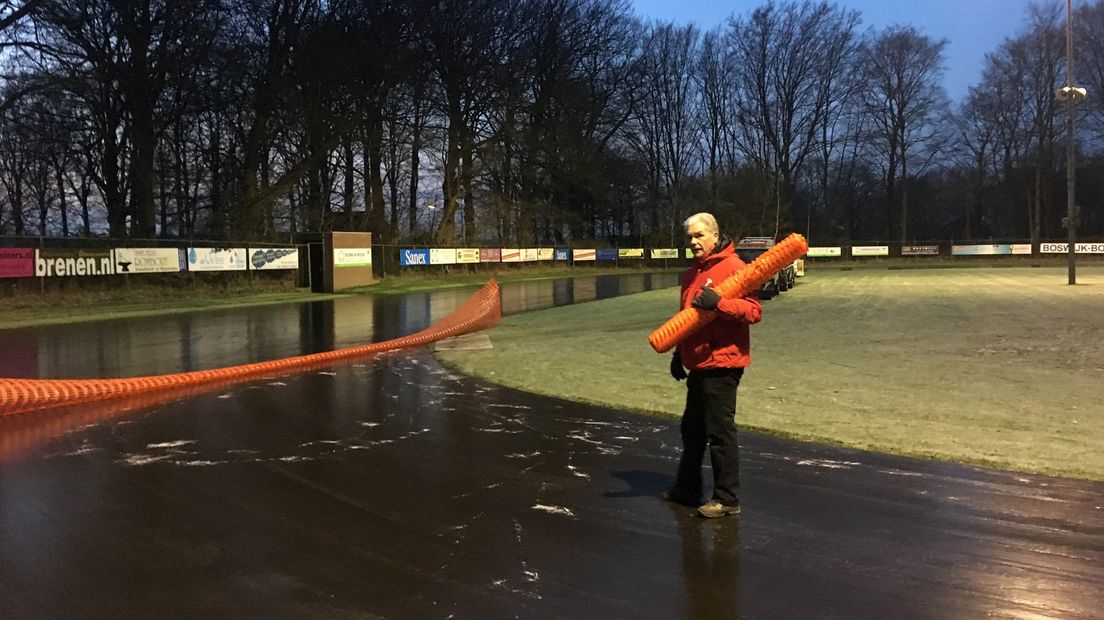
(707, 299)
(677, 371)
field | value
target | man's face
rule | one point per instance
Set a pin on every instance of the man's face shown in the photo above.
(700, 240)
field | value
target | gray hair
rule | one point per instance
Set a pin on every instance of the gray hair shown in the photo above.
(705, 218)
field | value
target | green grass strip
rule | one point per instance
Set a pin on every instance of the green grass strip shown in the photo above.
(998, 367)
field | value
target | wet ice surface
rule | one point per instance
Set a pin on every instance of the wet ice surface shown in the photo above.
(393, 487)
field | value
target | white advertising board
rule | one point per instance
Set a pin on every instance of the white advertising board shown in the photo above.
(442, 256)
(352, 257)
(274, 258)
(869, 250)
(149, 260)
(664, 253)
(1080, 248)
(216, 259)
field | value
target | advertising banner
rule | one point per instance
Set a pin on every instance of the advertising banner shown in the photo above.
(529, 255)
(562, 254)
(150, 260)
(467, 255)
(582, 255)
(630, 253)
(490, 255)
(688, 253)
(274, 258)
(352, 257)
(409, 258)
(511, 255)
(442, 256)
(664, 253)
(17, 262)
(1080, 248)
(981, 250)
(825, 252)
(56, 263)
(216, 259)
(606, 254)
(544, 254)
(920, 250)
(870, 250)
(1021, 248)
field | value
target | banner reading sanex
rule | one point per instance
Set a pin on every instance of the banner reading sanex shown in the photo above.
(17, 262)
(442, 256)
(870, 250)
(352, 257)
(414, 257)
(630, 253)
(664, 253)
(58, 263)
(562, 254)
(825, 252)
(467, 255)
(1080, 248)
(216, 259)
(274, 258)
(583, 255)
(150, 260)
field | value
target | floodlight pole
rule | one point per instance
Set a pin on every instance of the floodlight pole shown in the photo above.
(1071, 206)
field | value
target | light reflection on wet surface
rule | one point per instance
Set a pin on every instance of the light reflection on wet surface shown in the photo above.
(392, 487)
(186, 342)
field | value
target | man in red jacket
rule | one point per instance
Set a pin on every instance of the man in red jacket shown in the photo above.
(716, 356)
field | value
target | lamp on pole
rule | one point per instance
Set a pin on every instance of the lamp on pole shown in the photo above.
(1070, 94)
(432, 214)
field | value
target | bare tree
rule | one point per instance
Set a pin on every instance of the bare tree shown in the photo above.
(664, 128)
(789, 59)
(905, 102)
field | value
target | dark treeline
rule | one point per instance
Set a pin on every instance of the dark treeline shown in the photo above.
(530, 122)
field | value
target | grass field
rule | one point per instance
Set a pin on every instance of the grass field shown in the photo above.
(1001, 367)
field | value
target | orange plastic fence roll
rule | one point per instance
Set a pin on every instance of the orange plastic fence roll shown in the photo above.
(480, 311)
(739, 284)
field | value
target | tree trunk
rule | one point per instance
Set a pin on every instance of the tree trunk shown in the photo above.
(377, 217)
(144, 143)
(59, 178)
(415, 163)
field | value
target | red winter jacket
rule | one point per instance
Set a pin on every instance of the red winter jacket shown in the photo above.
(724, 342)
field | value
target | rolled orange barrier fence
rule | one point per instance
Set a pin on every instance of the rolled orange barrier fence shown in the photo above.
(739, 284)
(480, 311)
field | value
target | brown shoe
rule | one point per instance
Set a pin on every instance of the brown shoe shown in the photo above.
(716, 510)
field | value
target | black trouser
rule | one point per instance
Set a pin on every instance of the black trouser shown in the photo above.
(710, 419)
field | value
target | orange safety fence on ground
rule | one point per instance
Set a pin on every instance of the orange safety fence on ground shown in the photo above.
(739, 284)
(480, 311)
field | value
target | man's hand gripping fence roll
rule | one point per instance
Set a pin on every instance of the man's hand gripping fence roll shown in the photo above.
(739, 284)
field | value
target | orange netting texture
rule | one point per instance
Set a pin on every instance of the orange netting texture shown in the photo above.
(480, 311)
(739, 284)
